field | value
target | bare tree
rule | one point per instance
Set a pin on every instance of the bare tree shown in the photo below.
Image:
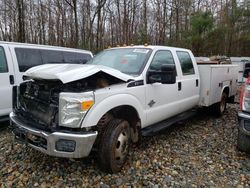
(21, 23)
(96, 24)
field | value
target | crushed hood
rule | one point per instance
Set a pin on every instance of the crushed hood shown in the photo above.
(72, 72)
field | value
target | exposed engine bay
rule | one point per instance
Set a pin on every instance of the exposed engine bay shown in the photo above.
(37, 101)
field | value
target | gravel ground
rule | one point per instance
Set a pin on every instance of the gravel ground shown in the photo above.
(199, 152)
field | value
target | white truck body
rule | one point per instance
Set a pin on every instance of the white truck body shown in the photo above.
(108, 101)
(15, 58)
(214, 78)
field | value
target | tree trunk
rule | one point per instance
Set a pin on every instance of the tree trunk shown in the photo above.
(76, 24)
(21, 24)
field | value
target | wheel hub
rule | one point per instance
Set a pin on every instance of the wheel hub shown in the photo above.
(121, 146)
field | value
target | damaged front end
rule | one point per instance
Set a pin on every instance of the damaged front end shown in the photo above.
(52, 105)
(37, 106)
(47, 114)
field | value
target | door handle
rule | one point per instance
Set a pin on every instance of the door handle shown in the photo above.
(197, 82)
(12, 81)
(179, 86)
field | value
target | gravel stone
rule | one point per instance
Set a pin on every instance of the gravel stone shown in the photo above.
(198, 152)
(119, 181)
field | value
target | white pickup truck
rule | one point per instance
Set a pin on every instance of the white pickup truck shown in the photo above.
(104, 105)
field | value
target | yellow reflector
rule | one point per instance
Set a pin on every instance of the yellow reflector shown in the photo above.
(87, 105)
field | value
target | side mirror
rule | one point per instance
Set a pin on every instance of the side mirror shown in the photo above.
(167, 75)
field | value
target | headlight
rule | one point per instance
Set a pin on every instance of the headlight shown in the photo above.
(73, 107)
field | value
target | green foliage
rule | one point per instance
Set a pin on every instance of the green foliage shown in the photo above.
(142, 37)
(201, 22)
(213, 43)
(247, 37)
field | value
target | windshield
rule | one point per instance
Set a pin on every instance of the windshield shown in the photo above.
(126, 60)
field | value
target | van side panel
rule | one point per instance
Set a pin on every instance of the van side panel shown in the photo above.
(7, 80)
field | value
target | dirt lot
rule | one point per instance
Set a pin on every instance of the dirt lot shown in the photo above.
(199, 152)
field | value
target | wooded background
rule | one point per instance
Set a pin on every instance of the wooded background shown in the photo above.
(208, 27)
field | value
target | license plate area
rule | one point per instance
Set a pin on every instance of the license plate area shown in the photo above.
(20, 134)
(23, 136)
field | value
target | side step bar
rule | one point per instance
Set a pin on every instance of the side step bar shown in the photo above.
(153, 129)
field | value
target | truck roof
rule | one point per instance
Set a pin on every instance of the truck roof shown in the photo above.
(43, 46)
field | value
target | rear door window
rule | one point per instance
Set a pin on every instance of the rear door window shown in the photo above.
(3, 62)
(28, 58)
(52, 56)
(76, 58)
(186, 62)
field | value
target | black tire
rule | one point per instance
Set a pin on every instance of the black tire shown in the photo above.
(114, 146)
(231, 99)
(220, 107)
(135, 134)
(243, 142)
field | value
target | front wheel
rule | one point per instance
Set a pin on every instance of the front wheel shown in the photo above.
(114, 146)
(220, 107)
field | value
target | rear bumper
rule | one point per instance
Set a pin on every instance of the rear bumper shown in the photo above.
(244, 123)
(59, 144)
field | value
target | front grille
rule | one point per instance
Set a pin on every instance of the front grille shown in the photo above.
(37, 104)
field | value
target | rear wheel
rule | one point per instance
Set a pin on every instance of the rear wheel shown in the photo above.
(220, 107)
(114, 146)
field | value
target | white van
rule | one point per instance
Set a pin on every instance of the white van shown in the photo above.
(16, 58)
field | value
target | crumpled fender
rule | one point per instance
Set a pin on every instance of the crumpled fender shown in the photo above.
(98, 110)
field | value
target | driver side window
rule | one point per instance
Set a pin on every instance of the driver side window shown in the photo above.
(161, 57)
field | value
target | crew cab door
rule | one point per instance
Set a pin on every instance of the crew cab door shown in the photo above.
(162, 100)
(6, 81)
(189, 83)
